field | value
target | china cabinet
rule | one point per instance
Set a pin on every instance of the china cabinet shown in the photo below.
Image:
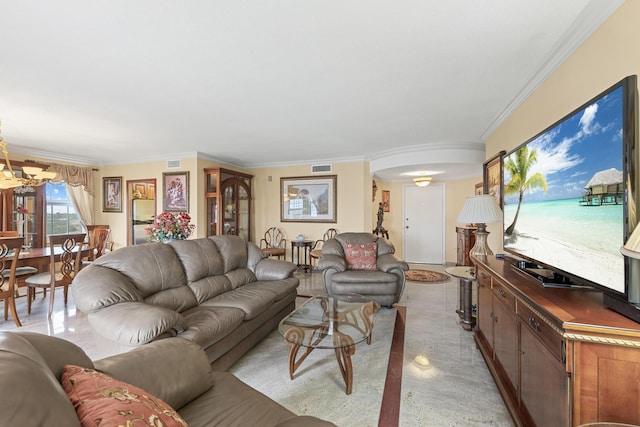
(228, 202)
(25, 215)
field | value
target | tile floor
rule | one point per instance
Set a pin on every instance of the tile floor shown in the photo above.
(457, 390)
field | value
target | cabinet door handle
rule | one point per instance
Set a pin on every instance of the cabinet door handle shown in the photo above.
(502, 293)
(535, 325)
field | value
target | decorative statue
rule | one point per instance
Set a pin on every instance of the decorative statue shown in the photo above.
(379, 228)
(380, 217)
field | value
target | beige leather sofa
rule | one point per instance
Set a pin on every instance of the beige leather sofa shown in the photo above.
(383, 282)
(220, 292)
(174, 370)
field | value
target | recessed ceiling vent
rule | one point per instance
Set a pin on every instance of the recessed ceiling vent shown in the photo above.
(174, 164)
(320, 168)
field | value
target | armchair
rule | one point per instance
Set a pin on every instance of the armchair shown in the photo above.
(364, 264)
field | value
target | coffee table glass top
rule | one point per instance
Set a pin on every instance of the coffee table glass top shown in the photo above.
(330, 322)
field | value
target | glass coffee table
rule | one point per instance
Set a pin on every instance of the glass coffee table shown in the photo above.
(338, 323)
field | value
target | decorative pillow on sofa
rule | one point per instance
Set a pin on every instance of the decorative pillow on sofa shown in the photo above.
(361, 256)
(100, 400)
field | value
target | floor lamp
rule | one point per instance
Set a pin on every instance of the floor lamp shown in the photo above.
(480, 210)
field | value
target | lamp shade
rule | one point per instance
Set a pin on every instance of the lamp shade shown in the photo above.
(632, 247)
(480, 209)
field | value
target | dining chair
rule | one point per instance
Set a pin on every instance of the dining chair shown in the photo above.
(61, 271)
(316, 249)
(9, 253)
(273, 243)
(97, 241)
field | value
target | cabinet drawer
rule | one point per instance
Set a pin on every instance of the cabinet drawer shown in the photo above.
(543, 330)
(483, 278)
(502, 294)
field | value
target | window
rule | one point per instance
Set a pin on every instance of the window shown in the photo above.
(61, 216)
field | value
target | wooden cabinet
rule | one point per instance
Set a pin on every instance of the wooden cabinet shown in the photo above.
(228, 202)
(466, 239)
(558, 356)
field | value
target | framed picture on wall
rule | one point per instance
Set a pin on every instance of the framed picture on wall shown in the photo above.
(175, 191)
(492, 177)
(385, 200)
(112, 194)
(479, 189)
(308, 199)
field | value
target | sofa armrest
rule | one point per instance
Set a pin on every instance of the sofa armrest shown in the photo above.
(175, 370)
(273, 269)
(389, 262)
(335, 262)
(136, 323)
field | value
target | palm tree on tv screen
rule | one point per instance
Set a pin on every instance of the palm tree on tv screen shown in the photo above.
(518, 166)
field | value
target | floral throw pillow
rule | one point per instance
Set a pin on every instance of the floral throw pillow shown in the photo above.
(361, 256)
(100, 400)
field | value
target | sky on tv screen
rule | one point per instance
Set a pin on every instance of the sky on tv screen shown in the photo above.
(572, 151)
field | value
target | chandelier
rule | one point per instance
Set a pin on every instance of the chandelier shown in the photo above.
(31, 175)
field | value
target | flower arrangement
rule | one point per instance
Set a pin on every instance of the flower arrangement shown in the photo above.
(170, 226)
(22, 210)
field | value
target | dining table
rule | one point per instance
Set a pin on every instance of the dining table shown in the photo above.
(39, 258)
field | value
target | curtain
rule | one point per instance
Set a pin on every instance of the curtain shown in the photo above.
(79, 184)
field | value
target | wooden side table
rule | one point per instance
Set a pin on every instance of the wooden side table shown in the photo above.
(466, 275)
(306, 247)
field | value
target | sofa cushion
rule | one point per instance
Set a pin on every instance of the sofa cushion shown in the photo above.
(364, 282)
(189, 376)
(281, 288)
(210, 287)
(251, 299)
(152, 267)
(102, 400)
(24, 372)
(200, 258)
(231, 399)
(240, 276)
(206, 325)
(361, 256)
(233, 250)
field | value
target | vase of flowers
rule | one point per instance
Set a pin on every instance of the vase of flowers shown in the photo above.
(170, 226)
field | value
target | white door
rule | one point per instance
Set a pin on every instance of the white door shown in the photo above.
(424, 224)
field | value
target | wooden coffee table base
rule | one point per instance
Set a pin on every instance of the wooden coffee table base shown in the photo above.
(343, 356)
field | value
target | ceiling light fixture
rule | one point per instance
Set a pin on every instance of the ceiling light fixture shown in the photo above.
(422, 181)
(31, 175)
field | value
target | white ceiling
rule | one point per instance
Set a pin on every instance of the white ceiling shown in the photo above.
(406, 84)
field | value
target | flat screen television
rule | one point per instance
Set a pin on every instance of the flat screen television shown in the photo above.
(570, 199)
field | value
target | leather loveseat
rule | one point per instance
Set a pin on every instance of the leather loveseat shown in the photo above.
(365, 264)
(174, 370)
(220, 292)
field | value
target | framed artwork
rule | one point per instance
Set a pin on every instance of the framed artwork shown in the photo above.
(175, 191)
(151, 191)
(112, 194)
(308, 199)
(140, 190)
(492, 177)
(385, 200)
(479, 189)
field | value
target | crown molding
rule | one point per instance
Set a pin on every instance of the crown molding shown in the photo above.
(595, 13)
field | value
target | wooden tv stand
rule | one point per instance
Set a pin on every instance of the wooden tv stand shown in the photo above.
(558, 356)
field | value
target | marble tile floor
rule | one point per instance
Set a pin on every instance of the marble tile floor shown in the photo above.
(457, 389)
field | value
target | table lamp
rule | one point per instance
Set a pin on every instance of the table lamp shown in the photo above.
(480, 210)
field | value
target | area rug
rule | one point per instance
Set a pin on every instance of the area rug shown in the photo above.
(427, 276)
(317, 387)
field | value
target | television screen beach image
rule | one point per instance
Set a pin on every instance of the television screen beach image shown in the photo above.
(564, 194)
